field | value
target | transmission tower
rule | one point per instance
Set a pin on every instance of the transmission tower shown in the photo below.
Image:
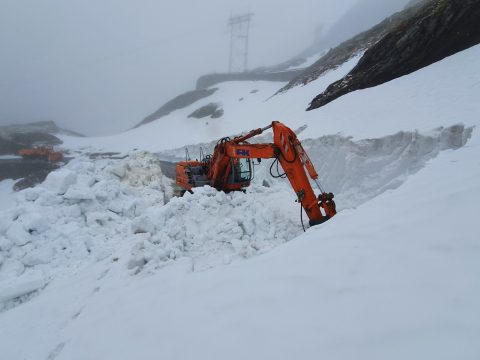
(239, 32)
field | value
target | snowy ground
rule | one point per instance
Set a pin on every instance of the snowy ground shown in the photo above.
(88, 210)
(393, 276)
(396, 278)
(7, 194)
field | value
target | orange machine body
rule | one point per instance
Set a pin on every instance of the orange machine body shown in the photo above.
(230, 168)
(42, 152)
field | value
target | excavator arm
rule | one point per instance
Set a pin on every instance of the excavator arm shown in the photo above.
(288, 150)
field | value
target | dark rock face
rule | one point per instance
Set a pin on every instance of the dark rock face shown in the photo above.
(217, 114)
(350, 48)
(177, 103)
(213, 110)
(438, 29)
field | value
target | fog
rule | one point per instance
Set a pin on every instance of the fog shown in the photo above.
(99, 67)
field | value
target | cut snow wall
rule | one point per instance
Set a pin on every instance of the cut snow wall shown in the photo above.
(357, 171)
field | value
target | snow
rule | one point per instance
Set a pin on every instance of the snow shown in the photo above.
(99, 263)
(6, 194)
(394, 279)
(59, 181)
(77, 215)
(21, 286)
(86, 211)
(189, 226)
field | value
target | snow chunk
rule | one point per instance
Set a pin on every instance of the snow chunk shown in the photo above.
(38, 256)
(11, 268)
(17, 234)
(28, 283)
(79, 193)
(31, 194)
(5, 244)
(59, 181)
(34, 222)
(192, 227)
(118, 170)
(142, 225)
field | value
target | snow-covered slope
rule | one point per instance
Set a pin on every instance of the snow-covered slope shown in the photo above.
(394, 279)
(442, 94)
(247, 105)
(392, 276)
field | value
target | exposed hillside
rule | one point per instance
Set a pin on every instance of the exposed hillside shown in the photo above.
(438, 29)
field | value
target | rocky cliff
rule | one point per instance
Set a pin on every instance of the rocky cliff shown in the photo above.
(437, 29)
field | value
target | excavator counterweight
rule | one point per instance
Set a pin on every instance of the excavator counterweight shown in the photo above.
(229, 168)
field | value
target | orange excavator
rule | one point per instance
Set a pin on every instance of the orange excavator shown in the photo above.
(229, 168)
(42, 152)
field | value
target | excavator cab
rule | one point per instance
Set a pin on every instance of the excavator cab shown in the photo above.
(241, 172)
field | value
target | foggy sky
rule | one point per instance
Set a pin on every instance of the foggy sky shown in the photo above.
(99, 67)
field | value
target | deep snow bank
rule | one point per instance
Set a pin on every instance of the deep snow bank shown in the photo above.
(92, 209)
(212, 228)
(394, 279)
(356, 171)
(78, 215)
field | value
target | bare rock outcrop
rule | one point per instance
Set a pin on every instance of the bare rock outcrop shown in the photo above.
(438, 29)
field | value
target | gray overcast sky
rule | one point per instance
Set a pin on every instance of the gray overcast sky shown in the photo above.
(99, 67)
